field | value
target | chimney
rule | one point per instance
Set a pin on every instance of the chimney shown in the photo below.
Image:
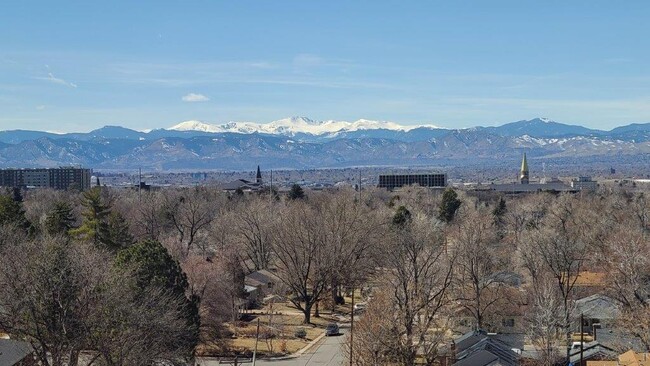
(453, 352)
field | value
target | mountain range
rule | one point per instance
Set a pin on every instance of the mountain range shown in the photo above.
(300, 142)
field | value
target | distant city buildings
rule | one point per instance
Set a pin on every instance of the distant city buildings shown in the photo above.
(245, 185)
(392, 181)
(57, 178)
(545, 185)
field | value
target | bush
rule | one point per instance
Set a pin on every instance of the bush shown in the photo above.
(300, 333)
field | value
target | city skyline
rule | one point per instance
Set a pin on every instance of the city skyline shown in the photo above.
(77, 67)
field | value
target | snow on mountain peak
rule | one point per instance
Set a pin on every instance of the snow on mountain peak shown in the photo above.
(194, 125)
(295, 125)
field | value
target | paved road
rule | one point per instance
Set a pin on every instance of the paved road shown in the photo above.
(327, 352)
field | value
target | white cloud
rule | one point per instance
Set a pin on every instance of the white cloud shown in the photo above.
(192, 97)
(53, 79)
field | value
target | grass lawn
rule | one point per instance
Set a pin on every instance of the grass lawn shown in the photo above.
(278, 326)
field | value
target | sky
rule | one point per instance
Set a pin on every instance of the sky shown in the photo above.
(79, 65)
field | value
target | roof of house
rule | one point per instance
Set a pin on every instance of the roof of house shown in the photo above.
(592, 350)
(588, 278)
(479, 349)
(263, 276)
(13, 351)
(483, 358)
(629, 358)
(597, 306)
(240, 184)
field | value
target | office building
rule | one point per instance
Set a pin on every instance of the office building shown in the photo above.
(392, 181)
(584, 184)
(57, 178)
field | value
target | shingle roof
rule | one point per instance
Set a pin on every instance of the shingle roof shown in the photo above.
(13, 351)
(479, 349)
(597, 306)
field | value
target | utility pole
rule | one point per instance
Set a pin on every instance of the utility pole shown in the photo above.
(139, 184)
(582, 338)
(257, 336)
(271, 190)
(352, 321)
(359, 192)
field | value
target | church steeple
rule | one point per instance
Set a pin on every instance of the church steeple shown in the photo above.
(258, 178)
(523, 174)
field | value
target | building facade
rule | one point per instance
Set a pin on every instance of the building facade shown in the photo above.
(392, 181)
(57, 178)
(584, 184)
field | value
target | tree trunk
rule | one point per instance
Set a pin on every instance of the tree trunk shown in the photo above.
(307, 313)
(317, 310)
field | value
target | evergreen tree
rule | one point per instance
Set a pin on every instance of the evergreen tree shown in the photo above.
(500, 209)
(60, 220)
(117, 233)
(94, 226)
(449, 205)
(402, 217)
(154, 266)
(12, 213)
(296, 192)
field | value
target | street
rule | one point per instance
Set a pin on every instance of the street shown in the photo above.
(327, 352)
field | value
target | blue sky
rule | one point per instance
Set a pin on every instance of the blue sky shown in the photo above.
(79, 65)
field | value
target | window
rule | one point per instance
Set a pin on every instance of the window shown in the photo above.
(509, 323)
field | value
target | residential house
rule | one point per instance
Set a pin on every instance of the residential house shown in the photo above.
(260, 284)
(629, 358)
(482, 349)
(591, 351)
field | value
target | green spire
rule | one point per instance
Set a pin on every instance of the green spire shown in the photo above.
(523, 176)
(524, 165)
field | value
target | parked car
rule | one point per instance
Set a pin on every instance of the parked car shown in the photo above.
(332, 329)
(360, 307)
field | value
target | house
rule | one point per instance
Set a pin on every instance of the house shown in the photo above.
(599, 320)
(506, 315)
(260, 284)
(591, 351)
(629, 358)
(16, 353)
(479, 348)
(599, 312)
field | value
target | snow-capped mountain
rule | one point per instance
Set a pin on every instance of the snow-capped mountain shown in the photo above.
(296, 126)
(300, 142)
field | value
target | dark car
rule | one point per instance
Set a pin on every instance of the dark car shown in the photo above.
(332, 329)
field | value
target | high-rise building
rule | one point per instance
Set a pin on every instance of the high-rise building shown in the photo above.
(523, 174)
(56, 178)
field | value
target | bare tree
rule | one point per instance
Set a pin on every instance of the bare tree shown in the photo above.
(545, 321)
(189, 213)
(479, 287)
(627, 262)
(47, 287)
(353, 233)
(304, 261)
(419, 274)
(137, 327)
(559, 247)
(252, 224)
